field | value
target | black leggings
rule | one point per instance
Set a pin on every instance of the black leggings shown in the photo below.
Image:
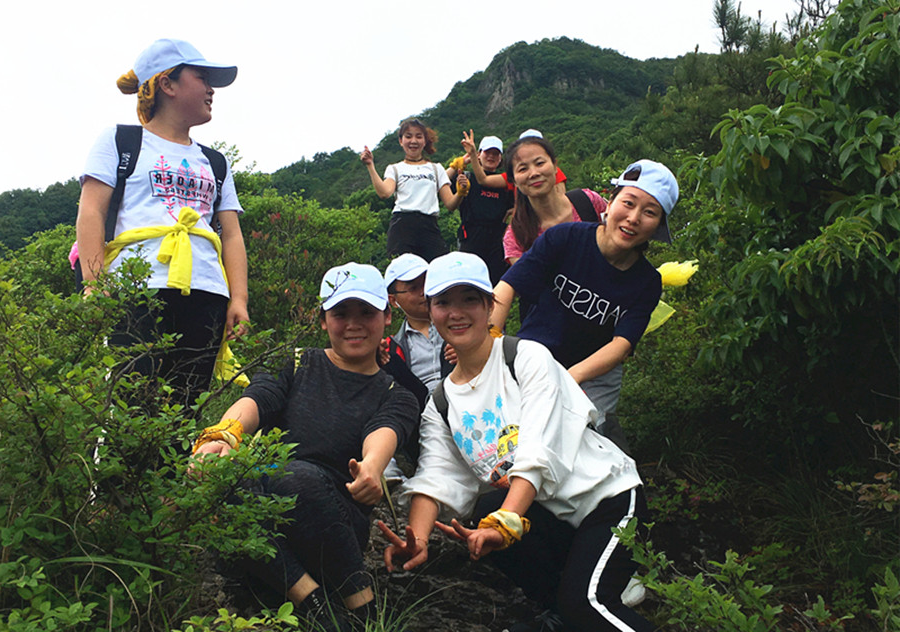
(579, 572)
(198, 318)
(417, 233)
(325, 535)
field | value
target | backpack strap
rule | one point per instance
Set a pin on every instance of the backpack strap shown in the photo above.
(439, 397)
(128, 146)
(219, 165)
(510, 348)
(394, 347)
(396, 178)
(583, 205)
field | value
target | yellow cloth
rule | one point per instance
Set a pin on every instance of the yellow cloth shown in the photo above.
(227, 367)
(661, 313)
(675, 273)
(175, 251)
(458, 163)
(228, 430)
(509, 524)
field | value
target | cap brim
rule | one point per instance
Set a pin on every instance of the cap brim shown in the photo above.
(220, 76)
(662, 232)
(411, 274)
(443, 287)
(375, 301)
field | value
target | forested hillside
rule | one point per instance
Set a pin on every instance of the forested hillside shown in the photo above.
(597, 106)
(577, 94)
(26, 211)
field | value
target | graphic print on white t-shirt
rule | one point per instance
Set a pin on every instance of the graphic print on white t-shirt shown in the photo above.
(182, 187)
(488, 443)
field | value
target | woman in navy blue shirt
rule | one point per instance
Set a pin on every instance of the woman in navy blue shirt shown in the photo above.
(591, 288)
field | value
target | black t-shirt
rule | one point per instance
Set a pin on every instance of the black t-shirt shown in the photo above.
(481, 214)
(328, 412)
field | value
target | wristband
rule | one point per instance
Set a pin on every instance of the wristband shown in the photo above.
(509, 524)
(227, 430)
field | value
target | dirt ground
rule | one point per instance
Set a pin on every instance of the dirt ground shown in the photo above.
(451, 593)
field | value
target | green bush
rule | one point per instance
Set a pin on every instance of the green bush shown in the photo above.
(101, 524)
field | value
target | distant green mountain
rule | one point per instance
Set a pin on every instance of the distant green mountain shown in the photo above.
(575, 93)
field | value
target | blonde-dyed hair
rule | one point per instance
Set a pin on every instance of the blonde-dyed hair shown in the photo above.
(147, 91)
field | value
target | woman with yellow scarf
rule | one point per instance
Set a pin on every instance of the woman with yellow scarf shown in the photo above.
(166, 215)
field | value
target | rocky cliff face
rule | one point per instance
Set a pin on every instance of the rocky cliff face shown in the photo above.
(502, 88)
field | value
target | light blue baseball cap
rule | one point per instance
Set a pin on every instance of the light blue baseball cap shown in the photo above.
(457, 268)
(656, 179)
(353, 280)
(168, 53)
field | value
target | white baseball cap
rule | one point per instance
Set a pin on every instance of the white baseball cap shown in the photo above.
(406, 267)
(353, 280)
(490, 142)
(457, 268)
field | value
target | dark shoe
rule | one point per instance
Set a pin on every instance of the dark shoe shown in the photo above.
(321, 616)
(547, 621)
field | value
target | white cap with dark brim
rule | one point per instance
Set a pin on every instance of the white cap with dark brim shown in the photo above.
(169, 53)
(657, 180)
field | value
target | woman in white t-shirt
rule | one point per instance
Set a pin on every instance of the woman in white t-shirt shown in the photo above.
(419, 185)
(512, 442)
(165, 216)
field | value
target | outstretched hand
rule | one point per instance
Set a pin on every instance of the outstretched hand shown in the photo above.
(411, 549)
(366, 156)
(480, 541)
(468, 143)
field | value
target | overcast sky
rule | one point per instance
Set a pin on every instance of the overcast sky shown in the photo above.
(313, 76)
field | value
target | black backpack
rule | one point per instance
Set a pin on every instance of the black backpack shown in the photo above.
(128, 147)
(510, 347)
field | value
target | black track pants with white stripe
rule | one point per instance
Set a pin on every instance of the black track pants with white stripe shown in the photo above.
(598, 567)
(580, 573)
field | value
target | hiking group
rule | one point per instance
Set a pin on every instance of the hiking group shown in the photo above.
(518, 433)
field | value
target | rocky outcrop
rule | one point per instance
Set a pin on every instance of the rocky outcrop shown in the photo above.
(502, 87)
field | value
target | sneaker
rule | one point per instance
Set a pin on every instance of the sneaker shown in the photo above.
(393, 474)
(547, 621)
(320, 616)
(634, 593)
